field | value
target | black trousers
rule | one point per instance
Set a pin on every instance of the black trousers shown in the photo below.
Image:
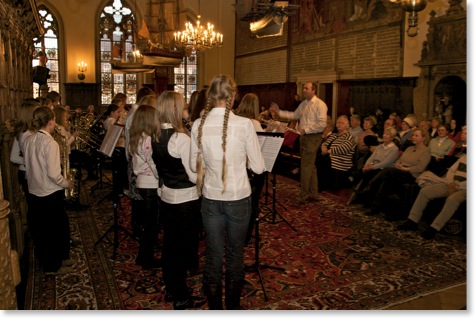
(148, 215)
(51, 223)
(181, 229)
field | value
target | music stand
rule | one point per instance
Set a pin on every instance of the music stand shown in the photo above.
(115, 227)
(270, 153)
(100, 184)
(256, 267)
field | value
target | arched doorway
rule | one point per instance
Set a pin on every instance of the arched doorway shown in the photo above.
(450, 100)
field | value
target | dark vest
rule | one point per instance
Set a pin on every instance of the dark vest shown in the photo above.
(170, 169)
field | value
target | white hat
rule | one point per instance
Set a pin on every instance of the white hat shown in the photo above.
(409, 121)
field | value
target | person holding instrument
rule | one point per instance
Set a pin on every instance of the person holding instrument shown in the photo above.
(222, 180)
(46, 186)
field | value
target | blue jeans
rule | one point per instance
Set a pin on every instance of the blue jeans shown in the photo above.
(226, 224)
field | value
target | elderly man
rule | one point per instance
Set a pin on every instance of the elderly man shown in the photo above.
(312, 113)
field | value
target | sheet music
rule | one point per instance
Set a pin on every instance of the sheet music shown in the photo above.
(111, 139)
(270, 148)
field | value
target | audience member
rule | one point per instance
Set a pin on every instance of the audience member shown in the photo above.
(453, 188)
(435, 122)
(355, 126)
(454, 130)
(407, 168)
(385, 155)
(337, 155)
(406, 132)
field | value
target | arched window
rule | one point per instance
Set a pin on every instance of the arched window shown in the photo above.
(117, 25)
(186, 75)
(49, 44)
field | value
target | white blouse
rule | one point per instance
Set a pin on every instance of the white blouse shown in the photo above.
(242, 149)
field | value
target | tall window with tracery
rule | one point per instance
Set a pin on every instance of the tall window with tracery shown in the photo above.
(186, 75)
(49, 44)
(117, 25)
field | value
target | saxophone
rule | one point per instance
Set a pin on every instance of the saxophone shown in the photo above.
(68, 174)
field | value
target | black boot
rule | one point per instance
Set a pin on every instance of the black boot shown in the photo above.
(233, 291)
(214, 293)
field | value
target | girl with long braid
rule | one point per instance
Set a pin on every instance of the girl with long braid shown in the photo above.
(222, 180)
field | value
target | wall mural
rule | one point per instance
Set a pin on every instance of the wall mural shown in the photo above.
(319, 18)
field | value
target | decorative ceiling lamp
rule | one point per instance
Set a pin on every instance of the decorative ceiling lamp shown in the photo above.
(413, 7)
(198, 37)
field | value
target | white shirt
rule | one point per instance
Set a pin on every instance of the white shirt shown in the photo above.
(242, 146)
(144, 167)
(311, 113)
(179, 147)
(17, 155)
(43, 167)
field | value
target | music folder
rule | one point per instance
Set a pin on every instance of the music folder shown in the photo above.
(111, 139)
(270, 143)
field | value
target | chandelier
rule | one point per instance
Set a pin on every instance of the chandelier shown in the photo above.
(198, 37)
(413, 7)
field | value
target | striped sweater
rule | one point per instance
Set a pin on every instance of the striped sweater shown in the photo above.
(341, 150)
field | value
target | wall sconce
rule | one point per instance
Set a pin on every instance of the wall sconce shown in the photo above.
(82, 67)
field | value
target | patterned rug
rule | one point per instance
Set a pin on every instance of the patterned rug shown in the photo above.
(338, 258)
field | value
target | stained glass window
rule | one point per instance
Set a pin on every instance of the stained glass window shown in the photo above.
(48, 43)
(186, 76)
(116, 44)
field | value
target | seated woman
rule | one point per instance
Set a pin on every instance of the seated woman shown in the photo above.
(440, 147)
(385, 155)
(390, 180)
(460, 147)
(362, 149)
(337, 155)
(405, 134)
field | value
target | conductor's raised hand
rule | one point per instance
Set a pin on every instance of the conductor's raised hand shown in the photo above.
(274, 107)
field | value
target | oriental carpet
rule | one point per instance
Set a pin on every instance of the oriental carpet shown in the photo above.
(338, 258)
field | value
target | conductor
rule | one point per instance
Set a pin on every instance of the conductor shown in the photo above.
(312, 113)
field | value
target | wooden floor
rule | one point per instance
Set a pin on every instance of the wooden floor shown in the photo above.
(451, 299)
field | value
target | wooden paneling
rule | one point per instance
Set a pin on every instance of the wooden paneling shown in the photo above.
(282, 94)
(81, 95)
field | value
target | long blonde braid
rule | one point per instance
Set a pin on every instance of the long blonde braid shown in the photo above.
(199, 164)
(223, 145)
(222, 88)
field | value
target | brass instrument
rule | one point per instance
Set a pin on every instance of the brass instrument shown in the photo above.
(68, 174)
(85, 139)
(82, 123)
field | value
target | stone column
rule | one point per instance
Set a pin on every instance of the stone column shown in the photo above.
(9, 264)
